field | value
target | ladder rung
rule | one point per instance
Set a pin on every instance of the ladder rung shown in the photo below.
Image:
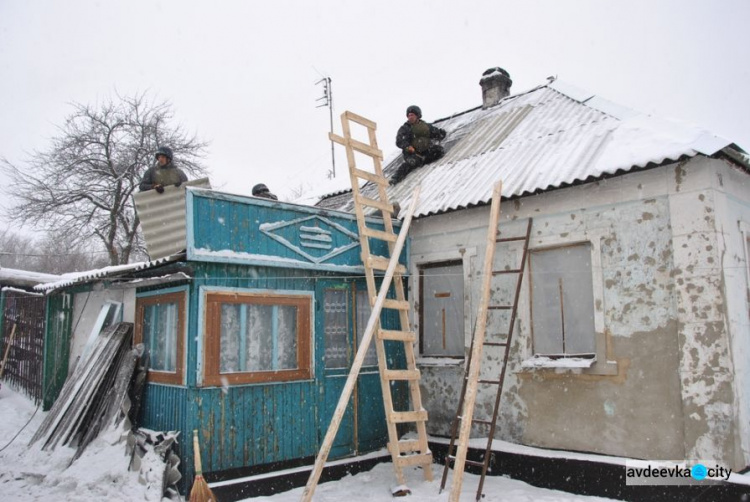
(416, 459)
(370, 177)
(479, 421)
(510, 239)
(366, 201)
(400, 336)
(500, 307)
(409, 445)
(401, 374)
(493, 382)
(496, 344)
(474, 463)
(381, 263)
(396, 304)
(509, 271)
(402, 417)
(365, 148)
(379, 234)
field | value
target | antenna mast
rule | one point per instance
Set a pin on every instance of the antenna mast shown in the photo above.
(328, 101)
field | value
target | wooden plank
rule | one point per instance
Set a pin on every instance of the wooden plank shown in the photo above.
(400, 417)
(379, 234)
(417, 459)
(381, 263)
(401, 375)
(366, 201)
(357, 145)
(396, 305)
(371, 177)
(400, 336)
(359, 119)
(476, 354)
(351, 380)
(408, 445)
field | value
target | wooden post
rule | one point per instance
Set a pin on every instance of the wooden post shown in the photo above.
(351, 380)
(477, 346)
(7, 349)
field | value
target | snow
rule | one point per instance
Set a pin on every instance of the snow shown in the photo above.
(101, 473)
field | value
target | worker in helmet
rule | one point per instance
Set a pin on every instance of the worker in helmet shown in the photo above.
(418, 141)
(163, 173)
(261, 190)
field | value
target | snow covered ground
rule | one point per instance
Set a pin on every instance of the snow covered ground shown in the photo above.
(27, 473)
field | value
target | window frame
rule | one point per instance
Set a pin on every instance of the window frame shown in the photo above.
(211, 368)
(562, 354)
(421, 267)
(161, 297)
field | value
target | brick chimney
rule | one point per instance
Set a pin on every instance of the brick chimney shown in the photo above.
(495, 84)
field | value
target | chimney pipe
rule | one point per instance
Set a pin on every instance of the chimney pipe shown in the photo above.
(495, 84)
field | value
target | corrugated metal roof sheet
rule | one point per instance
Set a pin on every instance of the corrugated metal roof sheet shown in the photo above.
(551, 136)
(162, 218)
(106, 272)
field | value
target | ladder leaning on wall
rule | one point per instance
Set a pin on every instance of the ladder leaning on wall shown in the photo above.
(409, 452)
(464, 419)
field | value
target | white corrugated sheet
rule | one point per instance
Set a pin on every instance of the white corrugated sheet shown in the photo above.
(107, 272)
(25, 277)
(551, 136)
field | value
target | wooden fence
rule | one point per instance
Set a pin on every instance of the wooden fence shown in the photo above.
(24, 366)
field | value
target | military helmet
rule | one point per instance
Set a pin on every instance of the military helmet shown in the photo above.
(164, 150)
(260, 188)
(415, 110)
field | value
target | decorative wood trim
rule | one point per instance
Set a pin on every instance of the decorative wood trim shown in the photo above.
(212, 375)
(180, 297)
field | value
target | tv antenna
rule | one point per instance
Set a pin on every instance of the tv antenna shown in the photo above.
(327, 99)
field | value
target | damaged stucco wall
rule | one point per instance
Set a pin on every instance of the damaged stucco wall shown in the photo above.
(710, 201)
(661, 387)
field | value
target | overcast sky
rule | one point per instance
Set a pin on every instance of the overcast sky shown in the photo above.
(242, 74)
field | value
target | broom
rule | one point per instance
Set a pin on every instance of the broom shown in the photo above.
(200, 492)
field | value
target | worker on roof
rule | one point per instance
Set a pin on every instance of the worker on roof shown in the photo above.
(261, 190)
(419, 142)
(163, 173)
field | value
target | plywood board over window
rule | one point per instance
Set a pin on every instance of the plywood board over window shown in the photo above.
(160, 326)
(256, 337)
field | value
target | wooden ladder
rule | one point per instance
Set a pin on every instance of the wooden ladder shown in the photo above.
(465, 414)
(411, 452)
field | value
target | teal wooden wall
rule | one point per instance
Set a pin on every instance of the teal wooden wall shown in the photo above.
(250, 425)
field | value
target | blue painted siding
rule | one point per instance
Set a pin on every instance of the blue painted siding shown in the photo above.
(235, 229)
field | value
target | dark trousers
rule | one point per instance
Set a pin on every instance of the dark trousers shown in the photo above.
(416, 160)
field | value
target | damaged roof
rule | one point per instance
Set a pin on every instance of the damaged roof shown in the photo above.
(111, 272)
(549, 137)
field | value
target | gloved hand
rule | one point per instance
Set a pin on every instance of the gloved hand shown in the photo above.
(178, 183)
(159, 188)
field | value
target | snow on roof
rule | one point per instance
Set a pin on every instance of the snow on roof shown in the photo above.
(548, 137)
(17, 277)
(111, 271)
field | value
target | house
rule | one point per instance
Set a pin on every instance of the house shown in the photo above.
(632, 336)
(250, 330)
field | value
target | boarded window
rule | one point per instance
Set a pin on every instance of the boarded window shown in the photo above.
(160, 326)
(562, 301)
(253, 337)
(441, 320)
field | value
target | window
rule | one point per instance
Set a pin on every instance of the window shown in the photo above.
(562, 301)
(441, 314)
(363, 316)
(336, 327)
(160, 326)
(252, 337)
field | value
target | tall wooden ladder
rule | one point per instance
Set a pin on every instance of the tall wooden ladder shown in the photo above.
(464, 419)
(409, 452)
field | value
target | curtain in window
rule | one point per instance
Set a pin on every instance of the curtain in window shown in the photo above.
(160, 335)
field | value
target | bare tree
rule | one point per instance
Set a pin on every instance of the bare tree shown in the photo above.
(50, 253)
(82, 185)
